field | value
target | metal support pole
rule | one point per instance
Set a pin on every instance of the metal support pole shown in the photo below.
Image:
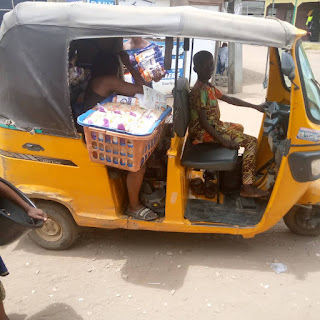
(177, 63)
(272, 11)
(294, 13)
(216, 51)
(191, 59)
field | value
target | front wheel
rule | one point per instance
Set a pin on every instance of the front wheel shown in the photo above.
(303, 220)
(59, 232)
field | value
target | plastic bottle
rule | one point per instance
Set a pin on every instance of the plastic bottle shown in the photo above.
(107, 139)
(130, 143)
(130, 153)
(130, 163)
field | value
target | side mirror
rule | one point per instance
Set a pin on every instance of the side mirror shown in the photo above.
(288, 67)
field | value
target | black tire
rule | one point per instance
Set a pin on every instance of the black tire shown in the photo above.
(298, 221)
(60, 231)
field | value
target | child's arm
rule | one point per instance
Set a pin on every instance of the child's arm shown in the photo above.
(230, 144)
(8, 193)
(241, 103)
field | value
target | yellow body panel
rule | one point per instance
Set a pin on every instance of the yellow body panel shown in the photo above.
(85, 189)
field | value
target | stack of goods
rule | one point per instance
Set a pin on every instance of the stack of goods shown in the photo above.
(124, 118)
(124, 135)
(149, 62)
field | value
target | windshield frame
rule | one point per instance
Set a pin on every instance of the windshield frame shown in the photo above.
(283, 77)
(303, 84)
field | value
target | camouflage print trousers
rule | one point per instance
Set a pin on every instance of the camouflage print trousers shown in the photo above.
(234, 131)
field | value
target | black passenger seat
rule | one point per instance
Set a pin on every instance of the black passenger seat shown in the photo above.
(201, 156)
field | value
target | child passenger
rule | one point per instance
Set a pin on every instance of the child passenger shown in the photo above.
(104, 84)
(206, 127)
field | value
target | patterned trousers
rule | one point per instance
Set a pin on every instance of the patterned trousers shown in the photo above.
(234, 131)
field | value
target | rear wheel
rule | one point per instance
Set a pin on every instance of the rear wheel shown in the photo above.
(60, 231)
(303, 220)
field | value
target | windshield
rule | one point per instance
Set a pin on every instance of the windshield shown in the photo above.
(311, 86)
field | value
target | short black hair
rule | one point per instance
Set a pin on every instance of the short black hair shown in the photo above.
(200, 56)
(105, 64)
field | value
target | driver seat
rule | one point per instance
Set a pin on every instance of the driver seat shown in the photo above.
(206, 156)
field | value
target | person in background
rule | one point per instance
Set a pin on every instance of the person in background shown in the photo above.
(103, 86)
(309, 23)
(78, 77)
(35, 213)
(222, 59)
(135, 44)
(206, 127)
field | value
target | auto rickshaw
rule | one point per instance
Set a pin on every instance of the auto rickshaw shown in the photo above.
(43, 154)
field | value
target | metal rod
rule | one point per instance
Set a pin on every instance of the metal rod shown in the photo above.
(191, 60)
(177, 62)
(294, 13)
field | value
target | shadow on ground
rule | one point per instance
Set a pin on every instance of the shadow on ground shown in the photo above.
(164, 258)
(56, 311)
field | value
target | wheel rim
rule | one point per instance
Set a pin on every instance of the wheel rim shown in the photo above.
(303, 219)
(51, 230)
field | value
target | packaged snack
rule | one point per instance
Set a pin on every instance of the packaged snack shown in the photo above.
(123, 117)
(150, 62)
(126, 100)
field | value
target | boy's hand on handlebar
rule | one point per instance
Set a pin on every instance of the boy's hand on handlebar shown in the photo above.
(37, 214)
(230, 144)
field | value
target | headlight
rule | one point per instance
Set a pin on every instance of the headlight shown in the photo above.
(305, 166)
(315, 167)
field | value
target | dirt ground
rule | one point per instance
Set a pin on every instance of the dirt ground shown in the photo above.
(148, 275)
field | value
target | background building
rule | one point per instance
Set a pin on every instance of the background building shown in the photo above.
(285, 10)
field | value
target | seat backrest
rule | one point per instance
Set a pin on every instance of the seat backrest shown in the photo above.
(181, 112)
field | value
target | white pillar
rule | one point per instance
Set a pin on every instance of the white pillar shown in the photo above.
(235, 55)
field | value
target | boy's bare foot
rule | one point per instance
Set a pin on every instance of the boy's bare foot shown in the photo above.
(249, 191)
